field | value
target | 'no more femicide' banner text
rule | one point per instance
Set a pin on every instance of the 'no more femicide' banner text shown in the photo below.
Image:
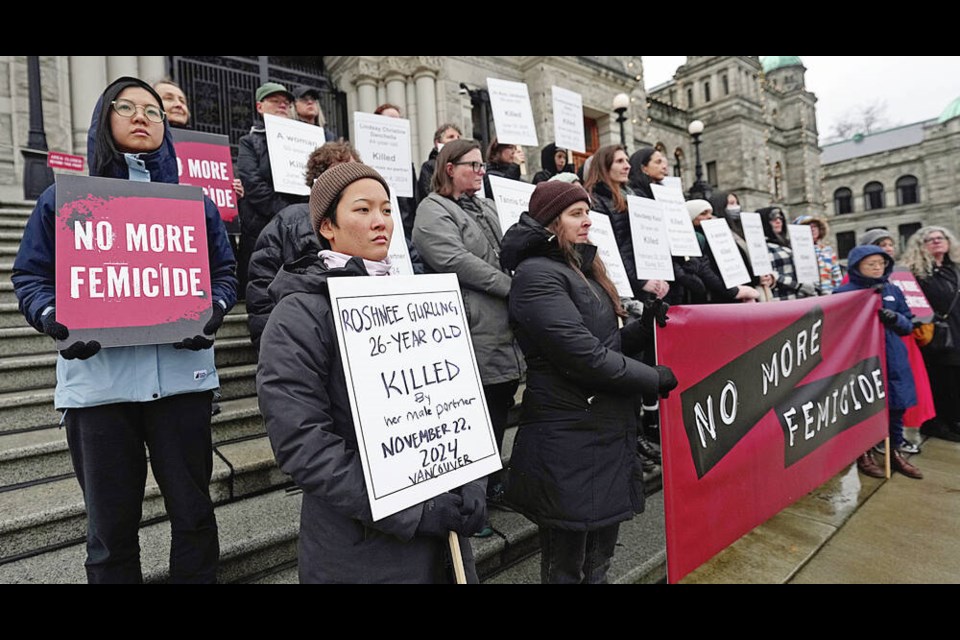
(414, 387)
(770, 405)
(132, 261)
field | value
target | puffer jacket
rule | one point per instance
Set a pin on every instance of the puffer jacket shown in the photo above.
(902, 393)
(574, 464)
(121, 374)
(451, 239)
(601, 201)
(260, 202)
(306, 409)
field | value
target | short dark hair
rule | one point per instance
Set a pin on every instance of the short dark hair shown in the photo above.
(451, 152)
(326, 156)
(442, 129)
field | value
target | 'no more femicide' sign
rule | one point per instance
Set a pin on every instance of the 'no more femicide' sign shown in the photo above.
(132, 261)
(414, 387)
(203, 160)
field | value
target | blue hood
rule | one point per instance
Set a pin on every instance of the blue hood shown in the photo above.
(859, 253)
(162, 163)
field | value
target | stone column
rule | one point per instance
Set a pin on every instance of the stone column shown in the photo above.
(426, 85)
(152, 68)
(396, 90)
(366, 94)
(411, 112)
(118, 66)
(88, 79)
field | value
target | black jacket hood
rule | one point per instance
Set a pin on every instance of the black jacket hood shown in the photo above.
(528, 238)
(309, 275)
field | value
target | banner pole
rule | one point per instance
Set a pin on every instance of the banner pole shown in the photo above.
(457, 557)
(886, 455)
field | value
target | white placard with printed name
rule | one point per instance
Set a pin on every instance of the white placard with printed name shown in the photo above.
(601, 234)
(804, 255)
(683, 240)
(756, 243)
(289, 144)
(568, 120)
(422, 425)
(400, 263)
(384, 144)
(512, 198)
(672, 182)
(725, 252)
(651, 246)
(512, 114)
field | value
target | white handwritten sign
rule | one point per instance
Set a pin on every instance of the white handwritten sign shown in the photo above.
(804, 255)
(651, 246)
(400, 263)
(512, 198)
(384, 144)
(512, 114)
(601, 234)
(422, 424)
(289, 144)
(683, 241)
(725, 252)
(568, 120)
(756, 243)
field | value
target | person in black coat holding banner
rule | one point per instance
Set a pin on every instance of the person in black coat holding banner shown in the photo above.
(306, 408)
(574, 469)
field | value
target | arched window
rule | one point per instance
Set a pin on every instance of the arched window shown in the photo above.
(662, 148)
(689, 97)
(908, 190)
(873, 196)
(677, 168)
(706, 91)
(842, 201)
(777, 181)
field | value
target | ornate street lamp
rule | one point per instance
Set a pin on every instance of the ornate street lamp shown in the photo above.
(700, 189)
(621, 102)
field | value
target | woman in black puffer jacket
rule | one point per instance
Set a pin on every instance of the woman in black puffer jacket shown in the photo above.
(574, 469)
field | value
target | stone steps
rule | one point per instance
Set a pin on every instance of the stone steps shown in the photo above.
(10, 316)
(257, 533)
(52, 513)
(29, 456)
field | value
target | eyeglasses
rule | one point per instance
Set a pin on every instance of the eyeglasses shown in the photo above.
(935, 239)
(126, 109)
(279, 101)
(476, 166)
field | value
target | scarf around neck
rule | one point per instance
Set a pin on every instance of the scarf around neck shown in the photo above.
(335, 260)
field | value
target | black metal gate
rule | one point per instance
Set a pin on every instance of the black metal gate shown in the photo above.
(221, 90)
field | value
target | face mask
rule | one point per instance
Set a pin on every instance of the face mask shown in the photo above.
(733, 208)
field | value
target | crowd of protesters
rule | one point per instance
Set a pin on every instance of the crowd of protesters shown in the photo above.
(542, 311)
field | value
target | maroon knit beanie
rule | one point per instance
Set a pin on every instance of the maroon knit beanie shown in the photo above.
(551, 197)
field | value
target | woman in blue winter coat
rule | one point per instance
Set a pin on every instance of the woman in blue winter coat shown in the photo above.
(574, 468)
(870, 268)
(118, 400)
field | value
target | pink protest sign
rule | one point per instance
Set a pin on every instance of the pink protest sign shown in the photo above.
(57, 160)
(913, 293)
(203, 160)
(132, 262)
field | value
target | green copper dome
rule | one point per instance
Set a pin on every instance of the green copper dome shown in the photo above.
(772, 63)
(951, 112)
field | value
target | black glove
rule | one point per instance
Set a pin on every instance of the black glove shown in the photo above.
(196, 343)
(215, 320)
(692, 283)
(888, 317)
(659, 309)
(53, 328)
(668, 381)
(442, 515)
(80, 350)
(474, 508)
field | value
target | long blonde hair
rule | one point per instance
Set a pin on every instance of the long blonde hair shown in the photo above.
(918, 259)
(572, 258)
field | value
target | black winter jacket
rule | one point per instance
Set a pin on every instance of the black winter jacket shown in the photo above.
(574, 463)
(259, 202)
(306, 409)
(601, 201)
(549, 165)
(940, 289)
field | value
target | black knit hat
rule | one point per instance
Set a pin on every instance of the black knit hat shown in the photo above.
(550, 198)
(331, 184)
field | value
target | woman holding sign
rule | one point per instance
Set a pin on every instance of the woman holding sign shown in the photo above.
(574, 468)
(304, 401)
(117, 400)
(457, 232)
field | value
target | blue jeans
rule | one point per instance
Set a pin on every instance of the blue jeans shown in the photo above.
(896, 427)
(107, 445)
(577, 557)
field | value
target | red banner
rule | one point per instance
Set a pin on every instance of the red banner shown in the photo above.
(57, 160)
(203, 160)
(132, 261)
(774, 399)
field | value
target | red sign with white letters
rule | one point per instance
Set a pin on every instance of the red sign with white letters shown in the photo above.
(57, 160)
(203, 160)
